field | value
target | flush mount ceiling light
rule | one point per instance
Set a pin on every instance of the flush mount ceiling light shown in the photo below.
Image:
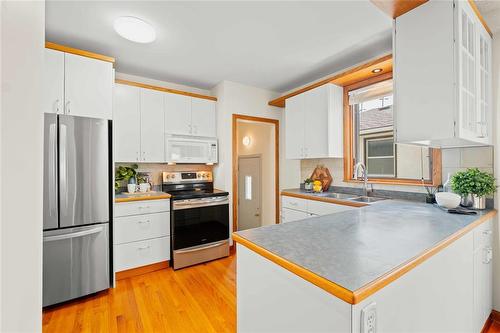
(377, 70)
(134, 29)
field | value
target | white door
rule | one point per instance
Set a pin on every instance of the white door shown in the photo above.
(152, 120)
(294, 127)
(316, 122)
(88, 87)
(177, 114)
(126, 123)
(203, 117)
(249, 192)
(290, 215)
(53, 82)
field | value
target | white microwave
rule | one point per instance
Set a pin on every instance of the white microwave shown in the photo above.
(191, 150)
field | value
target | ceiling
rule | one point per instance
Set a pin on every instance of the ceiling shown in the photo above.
(490, 9)
(277, 45)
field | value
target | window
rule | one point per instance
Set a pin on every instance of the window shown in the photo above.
(370, 125)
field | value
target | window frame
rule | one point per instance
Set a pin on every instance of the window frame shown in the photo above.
(349, 143)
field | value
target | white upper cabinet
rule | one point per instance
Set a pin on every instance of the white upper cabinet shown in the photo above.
(442, 76)
(294, 127)
(126, 123)
(177, 114)
(53, 71)
(152, 132)
(88, 87)
(314, 123)
(203, 117)
(77, 85)
(186, 115)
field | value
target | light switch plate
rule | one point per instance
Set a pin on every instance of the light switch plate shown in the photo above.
(369, 318)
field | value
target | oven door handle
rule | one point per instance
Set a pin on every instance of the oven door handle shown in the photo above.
(202, 247)
(197, 204)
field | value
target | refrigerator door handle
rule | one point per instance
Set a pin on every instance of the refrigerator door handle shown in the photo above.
(53, 169)
(73, 234)
(63, 170)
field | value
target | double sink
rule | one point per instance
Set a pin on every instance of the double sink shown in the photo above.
(348, 197)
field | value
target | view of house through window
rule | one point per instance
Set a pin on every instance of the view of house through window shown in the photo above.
(373, 141)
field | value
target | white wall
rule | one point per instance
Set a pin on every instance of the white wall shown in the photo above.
(23, 29)
(262, 143)
(236, 98)
(496, 110)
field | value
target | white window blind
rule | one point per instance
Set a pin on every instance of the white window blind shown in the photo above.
(374, 91)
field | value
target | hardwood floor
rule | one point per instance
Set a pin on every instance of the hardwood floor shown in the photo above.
(201, 298)
(494, 328)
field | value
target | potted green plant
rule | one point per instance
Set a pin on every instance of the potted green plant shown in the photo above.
(308, 184)
(125, 173)
(473, 185)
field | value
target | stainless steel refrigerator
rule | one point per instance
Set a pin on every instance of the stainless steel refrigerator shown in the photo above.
(76, 254)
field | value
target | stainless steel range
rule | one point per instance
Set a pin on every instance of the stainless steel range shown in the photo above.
(199, 220)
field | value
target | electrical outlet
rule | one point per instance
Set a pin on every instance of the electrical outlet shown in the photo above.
(369, 318)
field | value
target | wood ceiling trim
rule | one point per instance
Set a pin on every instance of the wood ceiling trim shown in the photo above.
(67, 49)
(345, 78)
(162, 89)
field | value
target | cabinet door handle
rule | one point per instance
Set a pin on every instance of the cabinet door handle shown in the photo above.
(67, 110)
(143, 247)
(142, 222)
(144, 207)
(56, 105)
(487, 232)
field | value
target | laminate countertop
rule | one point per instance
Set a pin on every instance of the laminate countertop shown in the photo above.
(354, 253)
(127, 197)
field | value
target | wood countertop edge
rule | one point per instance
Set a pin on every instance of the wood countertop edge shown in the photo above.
(327, 285)
(324, 199)
(355, 297)
(143, 198)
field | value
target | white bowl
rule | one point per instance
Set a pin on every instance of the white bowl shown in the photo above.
(448, 200)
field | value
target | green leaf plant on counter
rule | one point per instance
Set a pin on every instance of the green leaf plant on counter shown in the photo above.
(473, 181)
(124, 173)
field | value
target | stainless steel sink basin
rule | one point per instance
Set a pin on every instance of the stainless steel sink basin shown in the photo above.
(340, 196)
(367, 199)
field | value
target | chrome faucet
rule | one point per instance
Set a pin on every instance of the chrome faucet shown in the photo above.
(365, 176)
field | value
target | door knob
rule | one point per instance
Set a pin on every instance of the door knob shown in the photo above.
(257, 214)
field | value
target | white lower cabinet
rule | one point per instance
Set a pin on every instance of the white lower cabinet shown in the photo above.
(294, 209)
(141, 233)
(141, 253)
(290, 215)
(483, 274)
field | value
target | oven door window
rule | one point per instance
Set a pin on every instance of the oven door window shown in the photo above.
(202, 225)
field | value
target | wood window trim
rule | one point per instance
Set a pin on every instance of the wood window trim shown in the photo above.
(348, 144)
(276, 124)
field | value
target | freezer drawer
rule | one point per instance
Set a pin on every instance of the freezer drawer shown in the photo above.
(75, 262)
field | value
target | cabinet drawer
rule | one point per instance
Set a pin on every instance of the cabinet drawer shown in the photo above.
(136, 254)
(483, 235)
(294, 203)
(290, 215)
(141, 207)
(140, 227)
(325, 208)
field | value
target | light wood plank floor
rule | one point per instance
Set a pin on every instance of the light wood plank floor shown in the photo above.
(195, 299)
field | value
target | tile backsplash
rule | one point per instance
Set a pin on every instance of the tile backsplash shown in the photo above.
(453, 160)
(156, 169)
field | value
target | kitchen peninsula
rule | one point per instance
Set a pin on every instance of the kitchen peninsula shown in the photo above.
(398, 265)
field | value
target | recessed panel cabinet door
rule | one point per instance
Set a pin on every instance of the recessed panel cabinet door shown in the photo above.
(203, 117)
(177, 114)
(294, 127)
(53, 82)
(152, 118)
(126, 123)
(88, 87)
(316, 123)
